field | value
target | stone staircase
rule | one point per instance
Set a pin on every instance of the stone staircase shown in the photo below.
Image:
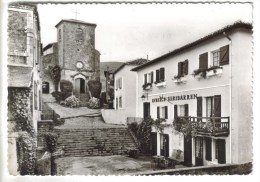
(95, 142)
(84, 98)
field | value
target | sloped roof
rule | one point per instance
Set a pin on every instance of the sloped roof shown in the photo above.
(19, 76)
(225, 29)
(136, 62)
(75, 21)
(48, 46)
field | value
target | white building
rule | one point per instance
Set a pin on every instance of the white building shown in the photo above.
(125, 94)
(208, 83)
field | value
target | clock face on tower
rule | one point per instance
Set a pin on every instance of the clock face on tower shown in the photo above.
(79, 65)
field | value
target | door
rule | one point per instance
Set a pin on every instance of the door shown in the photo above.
(77, 86)
(221, 151)
(153, 143)
(164, 145)
(146, 109)
(187, 150)
(199, 151)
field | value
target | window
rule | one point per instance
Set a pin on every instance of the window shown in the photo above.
(213, 107)
(120, 102)
(215, 58)
(119, 83)
(79, 35)
(183, 68)
(162, 112)
(160, 75)
(181, 110)
(208, 149)
(116, 103)
(148, 78)
(209, 106)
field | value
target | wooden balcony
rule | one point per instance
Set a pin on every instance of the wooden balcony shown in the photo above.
(209, 126)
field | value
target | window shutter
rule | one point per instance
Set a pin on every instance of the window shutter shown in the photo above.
(162, 72)
(203, 64)
(179, 69)
(208, 149)
(145, 78)
(166, 112)
(157, 75)
(158, 112)
(175, 111)
(224, 55)
(199, 106)
(119, 83)
(185, 67)
(152, 77)
(186, 106)
(217, 107)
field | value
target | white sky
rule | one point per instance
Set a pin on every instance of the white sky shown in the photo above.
(126, 32)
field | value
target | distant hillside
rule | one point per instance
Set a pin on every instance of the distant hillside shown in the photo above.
(103, 67)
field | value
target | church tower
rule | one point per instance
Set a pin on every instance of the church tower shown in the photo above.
(78, 59)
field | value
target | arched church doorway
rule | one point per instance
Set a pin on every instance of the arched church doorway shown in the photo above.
(80, 85)
(45, 87)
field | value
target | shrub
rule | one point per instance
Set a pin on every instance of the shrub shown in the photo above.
(133, 127)
(66, 86)
(93, 103)
(72, 101)
(55, 75)
(95, 88)
(61, 96)
(26, 153)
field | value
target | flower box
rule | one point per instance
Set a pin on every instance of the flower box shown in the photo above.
(147, 87)
(214, 72)
(161, 84)
(180, 80)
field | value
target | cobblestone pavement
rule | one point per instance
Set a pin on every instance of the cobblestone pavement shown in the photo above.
(101, 165)
(66, 112)
(86, 122)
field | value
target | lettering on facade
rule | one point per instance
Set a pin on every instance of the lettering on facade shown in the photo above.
(175, 98)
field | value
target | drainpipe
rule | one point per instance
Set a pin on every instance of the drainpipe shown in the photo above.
(230, 95)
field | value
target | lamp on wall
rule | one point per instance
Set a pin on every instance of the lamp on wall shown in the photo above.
(144, 96)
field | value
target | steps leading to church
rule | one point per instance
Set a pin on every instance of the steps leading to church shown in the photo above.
(84, 98)
(95, 142)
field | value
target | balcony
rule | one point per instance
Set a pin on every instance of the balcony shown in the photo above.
(208, 126)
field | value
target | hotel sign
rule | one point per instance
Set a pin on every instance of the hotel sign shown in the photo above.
(175, 98)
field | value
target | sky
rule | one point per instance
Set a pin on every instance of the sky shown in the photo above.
(129, 31)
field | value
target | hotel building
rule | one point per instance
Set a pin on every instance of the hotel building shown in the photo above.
(206, 85)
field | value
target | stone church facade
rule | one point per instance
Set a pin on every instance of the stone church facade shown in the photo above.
(76, 55)
(78, 58)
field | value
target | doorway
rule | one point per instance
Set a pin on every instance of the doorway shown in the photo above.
(221, 151)
(153, 143)
(80, 85)
(146, 109)
(164, 145)
(199, 151)
(188, 150)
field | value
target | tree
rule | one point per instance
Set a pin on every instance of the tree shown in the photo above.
(95, 87)
(55, 75)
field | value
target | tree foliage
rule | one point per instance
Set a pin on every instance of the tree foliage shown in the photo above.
(95, 87)
(55, 75)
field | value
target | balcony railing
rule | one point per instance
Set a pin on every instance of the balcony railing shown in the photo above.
(209, 126)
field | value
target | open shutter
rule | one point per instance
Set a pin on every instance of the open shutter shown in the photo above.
(162, 70)
(185, 67)
(179, 68)
(186, 106)
(208, 149)
(199, 106)
(224, 55)
(145, 78)
(203, 58)
(175, 111)
(217, 107)
(157, 76)
(166, 112)
(152, 77)
(158, 112)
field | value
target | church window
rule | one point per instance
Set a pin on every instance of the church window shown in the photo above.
(79, 36)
